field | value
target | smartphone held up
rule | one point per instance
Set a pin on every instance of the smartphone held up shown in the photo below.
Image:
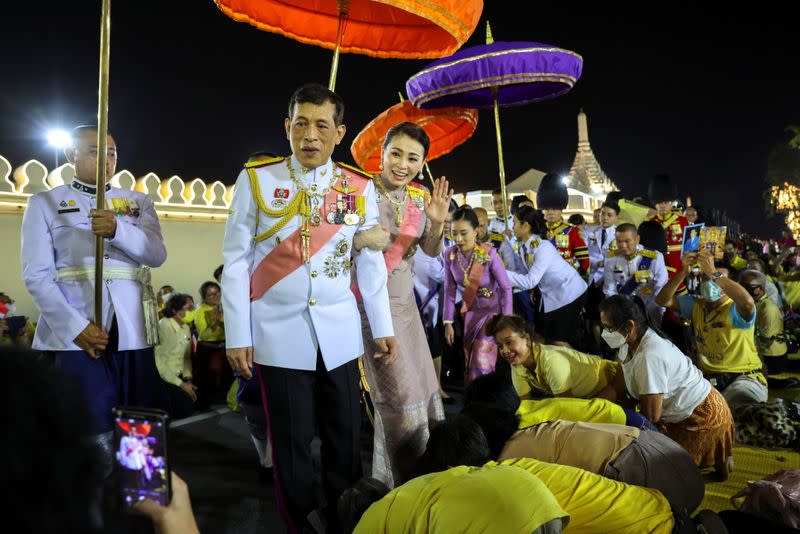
(140, 445)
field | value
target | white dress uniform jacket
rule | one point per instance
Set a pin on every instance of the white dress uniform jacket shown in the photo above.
(619, 269)
(538, 263)
(429, 277)
(598, 250)
(57, 233)
(312, 307)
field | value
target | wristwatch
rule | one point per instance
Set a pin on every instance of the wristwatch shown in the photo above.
(716, 276)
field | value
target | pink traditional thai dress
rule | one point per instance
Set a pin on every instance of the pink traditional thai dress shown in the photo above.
(487, 292)
(405, 393)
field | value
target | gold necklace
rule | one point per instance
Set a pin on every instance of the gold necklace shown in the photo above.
(309, 211)
(466, 270)
(398, 204)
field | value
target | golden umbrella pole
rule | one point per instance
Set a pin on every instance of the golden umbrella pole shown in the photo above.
(427, 167)
(343, 5)
(490, 40)
(102, 142)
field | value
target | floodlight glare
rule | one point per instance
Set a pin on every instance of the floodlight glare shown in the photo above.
(58, 138)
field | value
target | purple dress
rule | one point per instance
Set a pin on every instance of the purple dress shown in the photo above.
(480, 350)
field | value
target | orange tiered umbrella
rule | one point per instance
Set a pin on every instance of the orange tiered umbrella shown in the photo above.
(447, 128)
(405, 29)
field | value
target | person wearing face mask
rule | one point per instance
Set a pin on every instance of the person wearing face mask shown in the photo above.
(770, 343)
(723, 324)
(670, 390)
(163, 295)
(772, 290)
(174, 356)
(478, 271)
(405, 392)
(732, 257)
(14, 329)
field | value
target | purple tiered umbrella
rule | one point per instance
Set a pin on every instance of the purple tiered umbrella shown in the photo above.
(497, 74)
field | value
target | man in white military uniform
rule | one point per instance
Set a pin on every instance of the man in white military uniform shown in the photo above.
(635, 270)
(289, 305)
(112, 363)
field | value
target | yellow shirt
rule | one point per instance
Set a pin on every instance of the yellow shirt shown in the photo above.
(598, 504)
(471, 500)
(533, 412)
(203, 317)
(560, 369)
(589, 446)
(769, 323)
(173, 353)
(722, 347)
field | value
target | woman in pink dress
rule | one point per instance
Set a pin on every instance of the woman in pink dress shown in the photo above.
(479, 272)
(405, 392)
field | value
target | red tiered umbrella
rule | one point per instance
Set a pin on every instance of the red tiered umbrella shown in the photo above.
(405, 29)
(446, 127)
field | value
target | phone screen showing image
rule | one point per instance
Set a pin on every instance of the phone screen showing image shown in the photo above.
(140, 445)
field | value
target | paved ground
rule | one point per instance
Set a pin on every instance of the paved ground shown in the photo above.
(212, 451)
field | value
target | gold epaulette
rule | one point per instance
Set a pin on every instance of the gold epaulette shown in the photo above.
(263, 163)
(612, 253)
(361, 172)
(416, 190)
(647, 253)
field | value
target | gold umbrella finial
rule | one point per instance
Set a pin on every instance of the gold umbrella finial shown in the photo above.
(400, 94)
(489, 38)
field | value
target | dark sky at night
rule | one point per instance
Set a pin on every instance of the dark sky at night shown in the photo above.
(702, 96)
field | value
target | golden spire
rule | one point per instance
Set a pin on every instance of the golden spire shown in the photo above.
(489, 38)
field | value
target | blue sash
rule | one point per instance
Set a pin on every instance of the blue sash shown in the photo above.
(630, 286)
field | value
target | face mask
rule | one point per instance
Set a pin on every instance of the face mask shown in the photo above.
(165, 297)
(710, 291)
(614, 339)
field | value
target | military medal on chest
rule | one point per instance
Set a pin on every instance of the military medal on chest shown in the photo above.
(348, 208)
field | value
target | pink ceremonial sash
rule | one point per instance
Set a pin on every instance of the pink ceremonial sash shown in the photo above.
(287, 257)
(408, 232)
(475, 275)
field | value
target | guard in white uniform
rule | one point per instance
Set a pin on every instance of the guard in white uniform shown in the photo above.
(539, 264)
(600, 239)
(112, 363)
(635, 270)
(289, 305)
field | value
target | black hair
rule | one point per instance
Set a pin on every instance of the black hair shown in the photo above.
(492, 390)
(317, 94)
(516, 201)
(354, 501)
(576, 219)
(627, 227)
(452, 207)
(218, 272)
(534, 218)
(206, 286)
(497, 425)
(611, 205)
(623, 308)
(411, 130)
(50, 464)
(459, 441)
(175, 303)
(464, 213)
(497, 191)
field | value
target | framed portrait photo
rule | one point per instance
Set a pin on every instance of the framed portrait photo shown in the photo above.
(691, 238)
